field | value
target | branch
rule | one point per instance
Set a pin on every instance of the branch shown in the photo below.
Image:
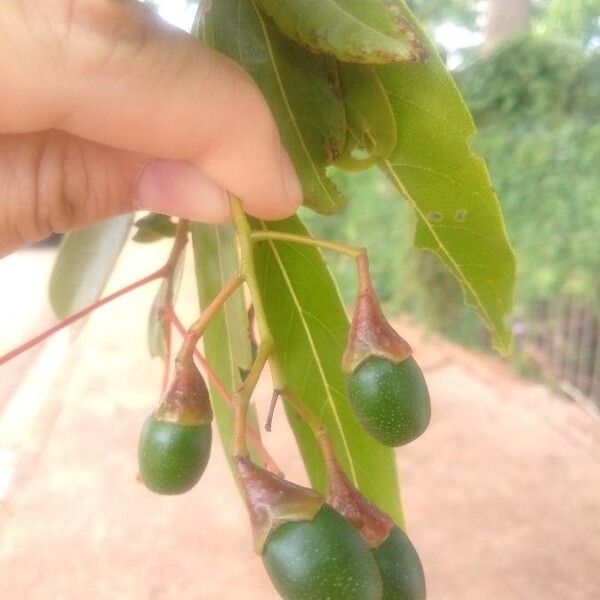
(253, 437)
(166, 271)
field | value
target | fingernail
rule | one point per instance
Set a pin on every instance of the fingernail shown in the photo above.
(291, 182)
(180, 189)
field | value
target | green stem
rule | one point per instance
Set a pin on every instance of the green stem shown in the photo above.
(244, 234)
(246, 238)
(242, 399)
(195, 332)
(346, 249)
(319, 430)
(229, 400)
(356, 252)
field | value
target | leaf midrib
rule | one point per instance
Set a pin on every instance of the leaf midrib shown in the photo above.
(288, 107)
(455, 265)
(316, 357)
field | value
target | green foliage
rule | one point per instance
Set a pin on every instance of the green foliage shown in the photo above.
(372, 201)
(153, 227)
(585, 90)
(528, 78)
(85, 261)
(360, 31)
(538, 100)
(577, 19)
(457, 212)
(431, 163)
(310, 327)
(370, 118)
(540, 135)
(305, 315)
(549, 181)
(226, 342)
(407, 280)
(433, 167)
(299, 86)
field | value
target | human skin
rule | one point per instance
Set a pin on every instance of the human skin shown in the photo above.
(107, 109)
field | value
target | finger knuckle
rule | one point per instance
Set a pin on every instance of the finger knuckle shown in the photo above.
(102, 34)
(56, 200)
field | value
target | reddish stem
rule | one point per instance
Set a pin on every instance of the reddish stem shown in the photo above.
(166, 271)
(253, 437)
(167, 357)
(80, 315)
(365, 283)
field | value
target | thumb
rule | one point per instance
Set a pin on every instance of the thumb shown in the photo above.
(113, 73)
(54, 182)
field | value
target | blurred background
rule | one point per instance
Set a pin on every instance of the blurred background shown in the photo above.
(502, 494)
(530, 73)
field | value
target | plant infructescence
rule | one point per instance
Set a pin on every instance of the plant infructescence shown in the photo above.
(351, 84)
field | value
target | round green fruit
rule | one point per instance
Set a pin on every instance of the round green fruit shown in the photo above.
(390, 399)
(173, 457)
(322, 559)
(400, 568)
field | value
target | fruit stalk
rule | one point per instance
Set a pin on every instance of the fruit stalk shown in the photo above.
(244, 235)
(346, 249)
(242, 400)
(251, 434)
(194, 333)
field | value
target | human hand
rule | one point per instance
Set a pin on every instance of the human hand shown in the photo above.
(106, 109)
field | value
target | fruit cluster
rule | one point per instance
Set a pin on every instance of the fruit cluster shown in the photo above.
(341, 547)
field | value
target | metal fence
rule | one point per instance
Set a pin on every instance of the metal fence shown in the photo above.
(562, 337)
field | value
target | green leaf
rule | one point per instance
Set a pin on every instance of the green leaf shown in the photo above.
(359, 31)
(370, 116)
(156, 323)
(85, 261)
(300, 87)
(153, 227)
(309, 327)
(226, 341)
(458, 216)
(157, 326)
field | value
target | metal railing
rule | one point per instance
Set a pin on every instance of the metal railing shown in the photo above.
(562, 337)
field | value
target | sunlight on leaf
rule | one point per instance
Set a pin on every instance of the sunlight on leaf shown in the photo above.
(360, 31)
(458, 215)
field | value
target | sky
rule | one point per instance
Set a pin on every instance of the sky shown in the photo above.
(178, 12)
(452, 37)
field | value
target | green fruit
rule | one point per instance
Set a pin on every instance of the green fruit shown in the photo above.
(390, 400)
(400, 568)
(322, 559)
(173, 457)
